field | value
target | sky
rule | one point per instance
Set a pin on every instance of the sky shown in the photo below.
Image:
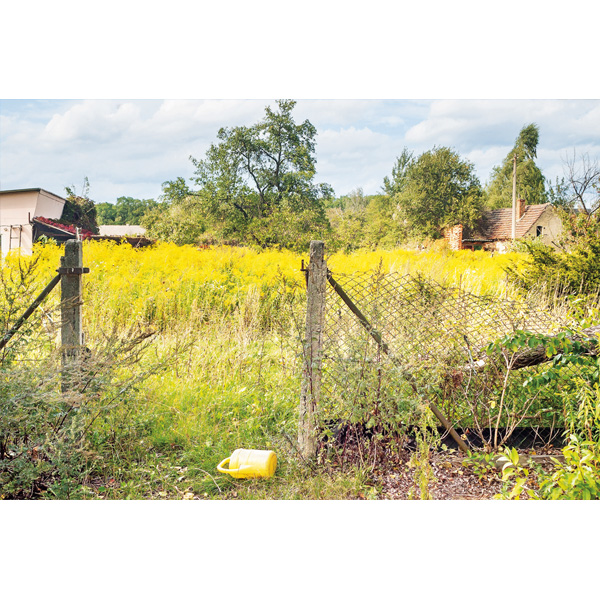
(130, 147)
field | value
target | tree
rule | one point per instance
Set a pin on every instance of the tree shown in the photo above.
(583, 179)
(530, 181)
(179, 216)
(106, 213)
(396, 184)
(360, 221)
(438, 190)
(255, 174)
(559, 196)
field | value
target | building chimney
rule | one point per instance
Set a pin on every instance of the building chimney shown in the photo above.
(454, 237)
(521, 204)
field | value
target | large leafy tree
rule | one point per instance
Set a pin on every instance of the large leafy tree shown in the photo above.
(530, 180)
(255, 179)
(395, 184)
(439, 190)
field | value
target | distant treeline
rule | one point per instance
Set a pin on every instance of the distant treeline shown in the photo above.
(256, 186)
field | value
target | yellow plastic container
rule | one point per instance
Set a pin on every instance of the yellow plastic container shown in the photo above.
(247, 464)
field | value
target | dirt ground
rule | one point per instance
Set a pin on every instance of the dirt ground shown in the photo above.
(448, 478)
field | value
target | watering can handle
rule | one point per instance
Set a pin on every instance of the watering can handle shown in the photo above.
(221, 468)
(238, 470)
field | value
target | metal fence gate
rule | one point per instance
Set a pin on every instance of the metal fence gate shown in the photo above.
(389, 346)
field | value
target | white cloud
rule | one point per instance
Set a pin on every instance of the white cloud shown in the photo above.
(484, 131)
(200, 118)
(493, 122)
(92, 121)
(338, 113)
(129, 147)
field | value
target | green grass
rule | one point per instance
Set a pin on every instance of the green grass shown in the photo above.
(232, 387)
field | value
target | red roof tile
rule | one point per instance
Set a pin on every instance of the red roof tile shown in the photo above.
(497, 224)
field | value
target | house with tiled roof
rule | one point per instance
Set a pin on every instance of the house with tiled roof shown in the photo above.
(494, 229)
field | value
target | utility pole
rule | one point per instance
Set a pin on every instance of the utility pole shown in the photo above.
(514, 198)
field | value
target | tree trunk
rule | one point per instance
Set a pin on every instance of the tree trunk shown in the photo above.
(537, 356)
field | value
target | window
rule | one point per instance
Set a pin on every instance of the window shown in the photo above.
(539, 230)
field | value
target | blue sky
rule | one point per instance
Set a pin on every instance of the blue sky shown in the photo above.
(130, 147)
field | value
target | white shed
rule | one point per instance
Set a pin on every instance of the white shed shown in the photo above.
(17, 210)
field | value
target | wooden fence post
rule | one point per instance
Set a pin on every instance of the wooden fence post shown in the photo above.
(71, 271)
(310, 394)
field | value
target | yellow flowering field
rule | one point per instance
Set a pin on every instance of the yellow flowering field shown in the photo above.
(167, 283)
(478, 272)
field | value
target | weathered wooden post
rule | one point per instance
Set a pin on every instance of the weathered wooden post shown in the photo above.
(71, 287)
(316, 284)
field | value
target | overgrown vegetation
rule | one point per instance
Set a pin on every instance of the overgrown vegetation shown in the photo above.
(255, 186)
(221, 299)
(573, 268)
(152, 420)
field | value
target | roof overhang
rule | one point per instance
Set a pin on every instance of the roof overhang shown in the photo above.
(58, 232)
(39, 190)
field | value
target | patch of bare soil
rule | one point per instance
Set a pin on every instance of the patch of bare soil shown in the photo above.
(448, 477)
(445, 475)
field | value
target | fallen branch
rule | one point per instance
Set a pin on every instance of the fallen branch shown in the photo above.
(537, 356)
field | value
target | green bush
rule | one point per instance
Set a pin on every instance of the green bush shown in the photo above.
(574, 374)
(47, 407)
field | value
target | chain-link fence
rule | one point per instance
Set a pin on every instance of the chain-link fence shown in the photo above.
(395, 344)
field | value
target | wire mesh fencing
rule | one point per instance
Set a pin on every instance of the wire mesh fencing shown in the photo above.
(395, 345)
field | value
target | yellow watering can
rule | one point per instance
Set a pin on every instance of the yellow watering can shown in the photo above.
(246, 464)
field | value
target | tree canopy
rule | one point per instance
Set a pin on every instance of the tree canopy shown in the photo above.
(395, 184)
(179, 215)
(256, 180)
(530, 181)
(437, 190)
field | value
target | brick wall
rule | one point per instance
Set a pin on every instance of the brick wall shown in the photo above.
(454, 237)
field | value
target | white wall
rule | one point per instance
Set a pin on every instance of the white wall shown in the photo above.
(21, 238)
(17, 207)
(49, 206)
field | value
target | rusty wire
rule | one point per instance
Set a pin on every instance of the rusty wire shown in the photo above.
(436, 338)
